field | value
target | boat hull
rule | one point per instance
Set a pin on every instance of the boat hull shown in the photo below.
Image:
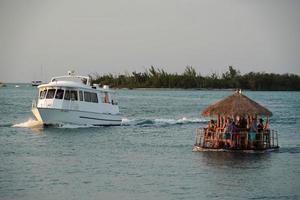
(52, 116)
(202, 149)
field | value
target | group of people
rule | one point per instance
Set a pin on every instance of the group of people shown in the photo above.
(229, 133)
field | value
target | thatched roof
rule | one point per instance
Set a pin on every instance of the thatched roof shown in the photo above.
(236, 105)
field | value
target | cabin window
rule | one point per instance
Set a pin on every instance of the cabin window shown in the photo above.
(74, 95)
(59, 94)
(87, 96)
(67, 95)
(80, 95)
(43, 94)
(94, 97)
(50, 94)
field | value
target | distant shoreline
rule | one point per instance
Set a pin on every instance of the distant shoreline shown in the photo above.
(202, 89)
(170, 89)
(158, 79)
(190, 79)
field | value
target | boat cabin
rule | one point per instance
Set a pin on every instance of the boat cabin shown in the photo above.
(237, 124)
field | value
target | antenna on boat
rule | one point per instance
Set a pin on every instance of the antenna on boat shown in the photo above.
(71, 73)
(42, 74)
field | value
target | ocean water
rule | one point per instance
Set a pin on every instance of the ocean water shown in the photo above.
(148, 157)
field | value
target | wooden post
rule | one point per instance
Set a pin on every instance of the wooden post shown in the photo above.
(222, 121)
(277, 139)
(197, 137)
(204, 138)
(273, 138)
(248, 121)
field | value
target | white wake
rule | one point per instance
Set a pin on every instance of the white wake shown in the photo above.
(30, 123)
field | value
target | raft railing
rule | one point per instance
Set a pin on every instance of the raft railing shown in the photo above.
(239, 140)
(199, 137)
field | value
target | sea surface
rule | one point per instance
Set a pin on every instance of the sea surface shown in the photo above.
(148, 157)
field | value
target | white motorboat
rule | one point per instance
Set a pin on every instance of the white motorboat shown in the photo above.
(72, 100)
(36, 83)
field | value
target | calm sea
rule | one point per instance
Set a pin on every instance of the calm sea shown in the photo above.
(148, 157)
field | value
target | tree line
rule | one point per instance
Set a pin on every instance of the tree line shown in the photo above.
(232, 78)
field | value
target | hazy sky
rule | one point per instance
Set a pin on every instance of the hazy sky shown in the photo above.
(126, 35)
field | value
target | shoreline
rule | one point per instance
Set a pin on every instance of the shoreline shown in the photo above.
(170, 89)
(203, 89)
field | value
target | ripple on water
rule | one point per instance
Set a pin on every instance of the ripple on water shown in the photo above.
(148, 157)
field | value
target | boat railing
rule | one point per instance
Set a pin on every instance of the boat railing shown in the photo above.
(84, 79)
(238, 140)
(199, 137)
(274, 138)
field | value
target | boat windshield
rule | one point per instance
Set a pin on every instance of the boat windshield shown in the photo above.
(74, 96)
(80, 95)
(94, 97)
(43, 94)
(87, 96)
(71, 95)
(50, 94)
(59, 94)
(67, 95)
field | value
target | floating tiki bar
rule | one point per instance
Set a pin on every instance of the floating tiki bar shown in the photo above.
(235, 127)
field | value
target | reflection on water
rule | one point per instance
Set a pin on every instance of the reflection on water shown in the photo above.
(235, 160)
(239, 175)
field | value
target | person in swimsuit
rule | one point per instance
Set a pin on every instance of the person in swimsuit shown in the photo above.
(252, 132)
